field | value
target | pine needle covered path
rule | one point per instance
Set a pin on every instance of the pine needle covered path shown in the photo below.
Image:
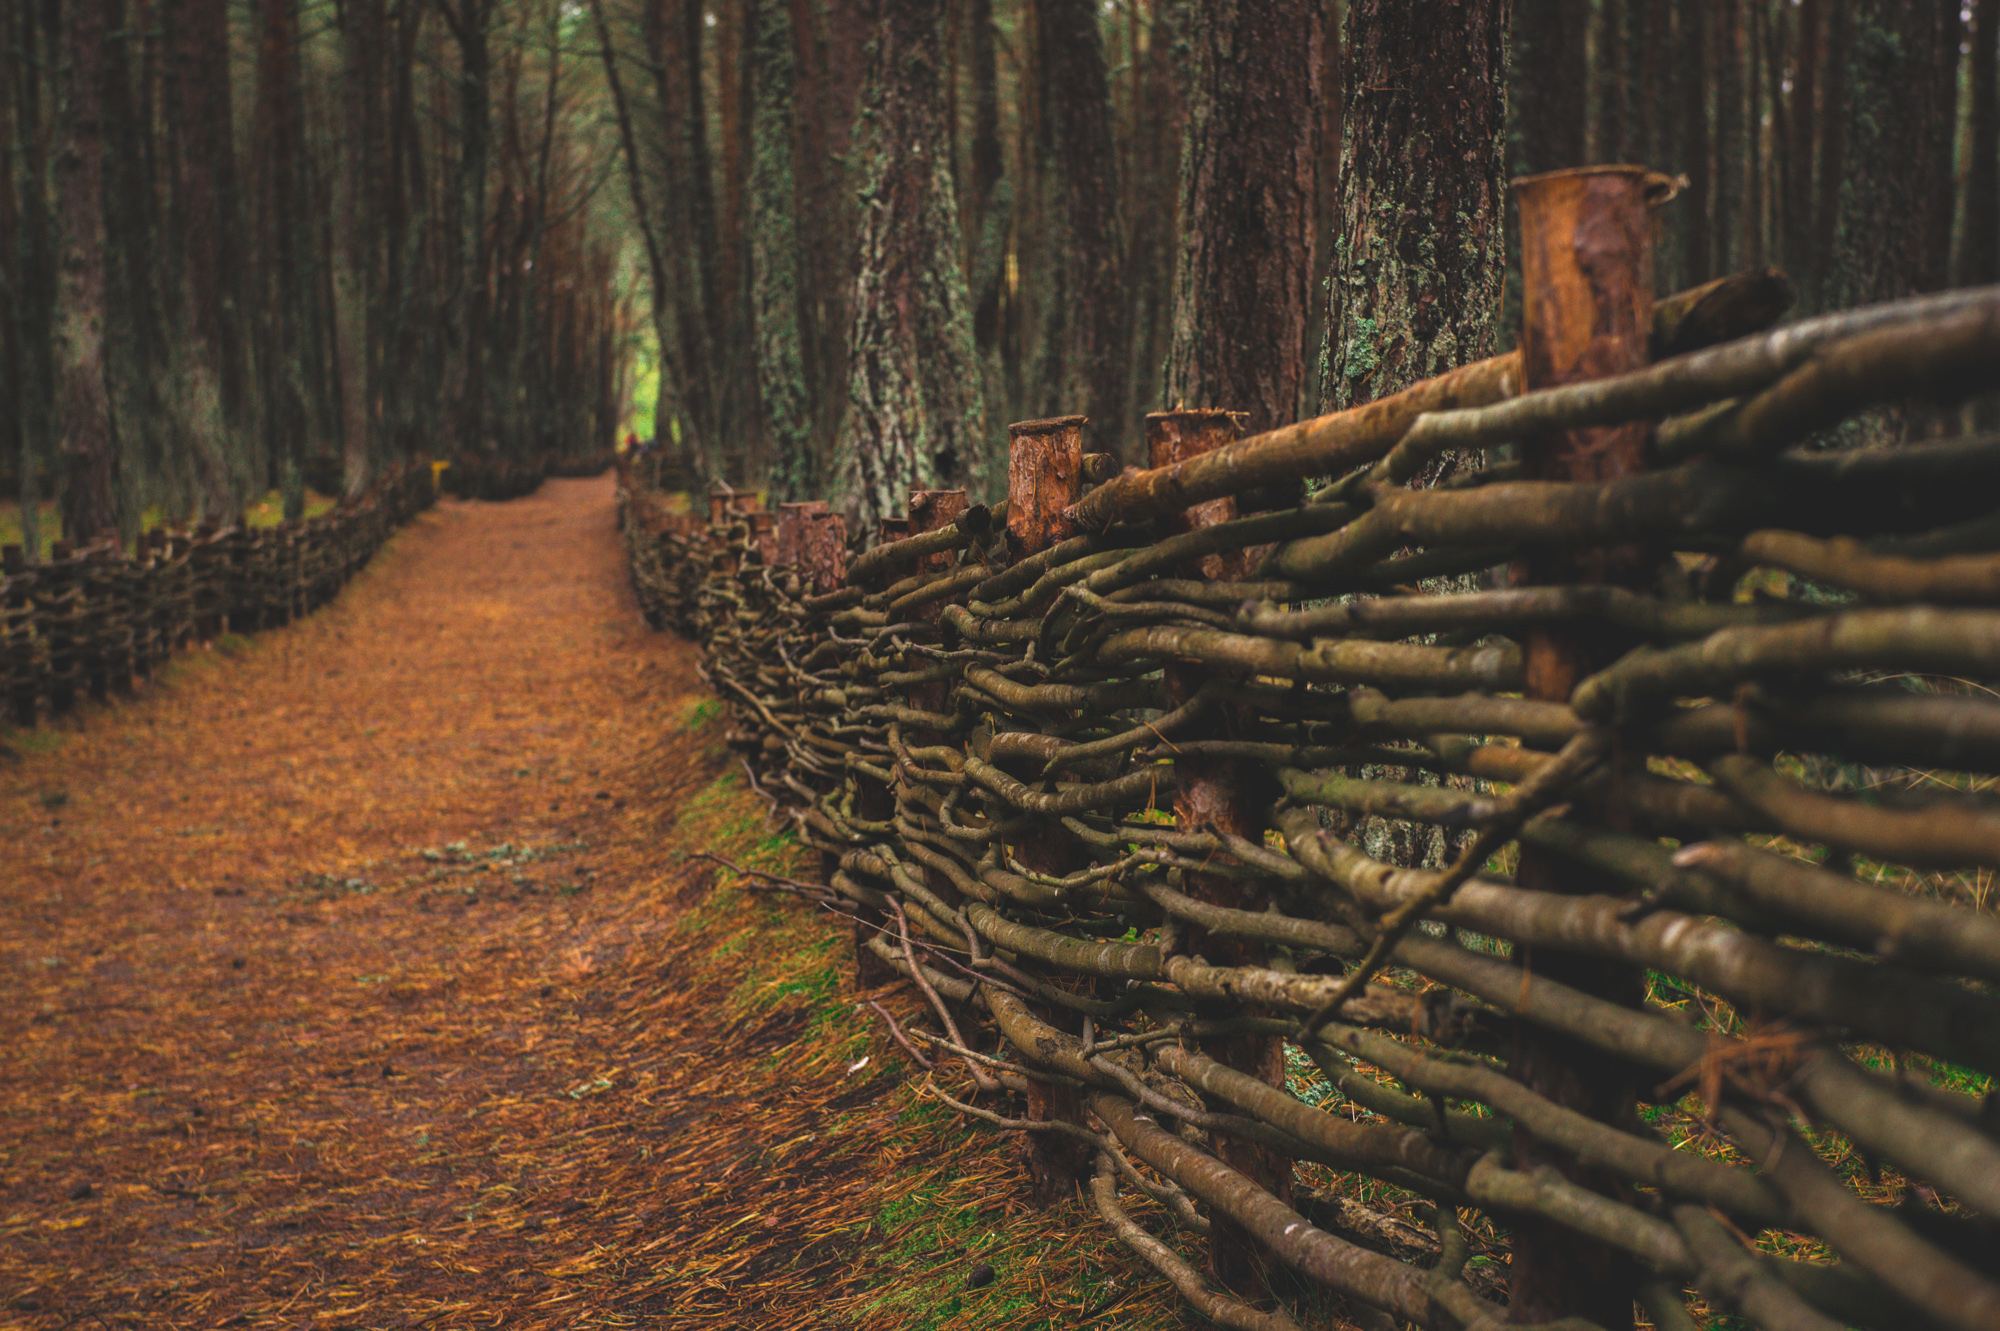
(365, 980)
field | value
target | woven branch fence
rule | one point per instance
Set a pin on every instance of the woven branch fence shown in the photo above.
(93, 619)
(1684, 982)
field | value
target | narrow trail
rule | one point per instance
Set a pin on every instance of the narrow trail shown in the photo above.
(363, 980)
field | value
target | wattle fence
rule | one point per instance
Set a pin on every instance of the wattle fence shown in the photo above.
(1628, 918)
(93, 619)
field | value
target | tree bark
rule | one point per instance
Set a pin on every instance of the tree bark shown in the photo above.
(1242, 286)
(89, 499)
(1979, 261)
(1417, 266)
(1895, 180)
(1084, 348)
(774, 255)
(203, 240)
(1546, 91)
(914, 413)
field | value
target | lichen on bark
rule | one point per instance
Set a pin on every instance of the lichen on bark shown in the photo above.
(913, 413)
(774, 255)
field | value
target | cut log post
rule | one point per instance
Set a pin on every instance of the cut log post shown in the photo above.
(1044, 460)
(1587, 279)
(58, 605)
(15, 617)
(822, 557)
(1044, 477)
(791, 530)
(1226, 796)
(764, 536)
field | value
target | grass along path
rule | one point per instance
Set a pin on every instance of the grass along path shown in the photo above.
(360, 976)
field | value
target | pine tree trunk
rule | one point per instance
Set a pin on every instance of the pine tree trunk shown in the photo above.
(1084, 349)
(987, 218)
(828, 36)
(199, 148)
(774, 255)
(132, 343)
(83, 403)
(1892, 225)
(350, 263)
(913, 414)
(1979, 252)
(1417, 264)
(1242, 286)
(281, 222)
(1547, 85)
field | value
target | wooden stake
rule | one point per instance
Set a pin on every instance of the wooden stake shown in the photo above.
(822, 557)
(791, 530)
(1587, 279)
(1044, 477)
(1223, 795)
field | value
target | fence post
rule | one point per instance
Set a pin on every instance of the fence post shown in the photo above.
(822, 556)
(792, 523)
(1587, 283)
(1044, 477)
(17, 616)
(1222, 795)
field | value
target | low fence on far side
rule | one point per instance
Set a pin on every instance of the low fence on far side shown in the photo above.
(94, 618)
(1698, 998)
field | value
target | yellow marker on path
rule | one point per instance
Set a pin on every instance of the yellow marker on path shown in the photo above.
(437, 474)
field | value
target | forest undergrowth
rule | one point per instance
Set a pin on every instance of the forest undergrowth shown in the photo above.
(365, 974)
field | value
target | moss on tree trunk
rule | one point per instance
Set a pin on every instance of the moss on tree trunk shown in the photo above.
(913, 413)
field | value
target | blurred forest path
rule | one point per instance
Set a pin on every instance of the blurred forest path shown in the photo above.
(363, 980)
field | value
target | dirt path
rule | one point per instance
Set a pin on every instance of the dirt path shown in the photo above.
(362, 980)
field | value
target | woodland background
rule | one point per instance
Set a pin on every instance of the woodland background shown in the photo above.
(835, 246)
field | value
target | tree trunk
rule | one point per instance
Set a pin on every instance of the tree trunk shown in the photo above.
(1084, 347)
(913, 414)
(198, 136)
(1979, 253)
(469, 21)
(351, 216)
(281, 222)
(1547, 84)
(1417, 267)
(89, 498)
(987, 218)
(774, 255)
(828, 37)
(1242, 288)
(1895, 177)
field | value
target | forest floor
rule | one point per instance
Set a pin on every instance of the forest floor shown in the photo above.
(364, 975)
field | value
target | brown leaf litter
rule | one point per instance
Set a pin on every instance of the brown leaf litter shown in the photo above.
(361, 978)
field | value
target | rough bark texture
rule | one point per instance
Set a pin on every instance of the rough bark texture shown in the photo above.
(913, 413)
(89, 503)
(1895, 181)
(1979, 261)
(1085, 348)
(1416, 274)
(1546, 95)
(987, 212)
(1242, 282)
(774, 255)
(828, 36)
(29, 251)
(281, 220)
